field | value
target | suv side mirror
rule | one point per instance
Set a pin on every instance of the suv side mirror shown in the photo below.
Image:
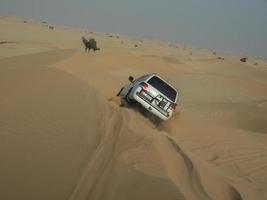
(131, 79)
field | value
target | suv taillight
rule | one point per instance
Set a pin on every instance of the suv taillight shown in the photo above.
(143, 85)
(173, 106)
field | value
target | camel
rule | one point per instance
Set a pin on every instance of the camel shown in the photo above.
(91, 44)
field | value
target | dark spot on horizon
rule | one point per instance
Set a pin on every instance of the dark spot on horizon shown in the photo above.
(243, 59)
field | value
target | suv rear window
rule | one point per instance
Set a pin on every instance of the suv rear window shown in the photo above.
(163, 87)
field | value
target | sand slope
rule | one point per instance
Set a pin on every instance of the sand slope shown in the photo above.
(62, 140)
(64, 135)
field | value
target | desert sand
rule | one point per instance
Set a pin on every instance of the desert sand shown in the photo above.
(64, 135)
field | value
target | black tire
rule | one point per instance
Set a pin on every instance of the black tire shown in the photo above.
(128, 100)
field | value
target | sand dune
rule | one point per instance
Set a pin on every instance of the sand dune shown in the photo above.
(64, 135)
(63, 140)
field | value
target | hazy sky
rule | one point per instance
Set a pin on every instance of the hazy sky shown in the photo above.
(238, 26)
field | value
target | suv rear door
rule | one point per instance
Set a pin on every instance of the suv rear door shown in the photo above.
(163, 87)
(167, 94)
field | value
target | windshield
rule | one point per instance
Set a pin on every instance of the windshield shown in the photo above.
(163, 87)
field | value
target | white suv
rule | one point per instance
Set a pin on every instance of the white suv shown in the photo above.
(153, 93)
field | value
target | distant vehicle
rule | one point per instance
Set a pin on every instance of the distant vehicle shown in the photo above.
(153, 93)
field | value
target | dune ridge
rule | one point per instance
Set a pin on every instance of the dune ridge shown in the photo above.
(115, 148)
(118, 142)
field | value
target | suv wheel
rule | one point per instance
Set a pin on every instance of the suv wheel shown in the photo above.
(128, 100)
